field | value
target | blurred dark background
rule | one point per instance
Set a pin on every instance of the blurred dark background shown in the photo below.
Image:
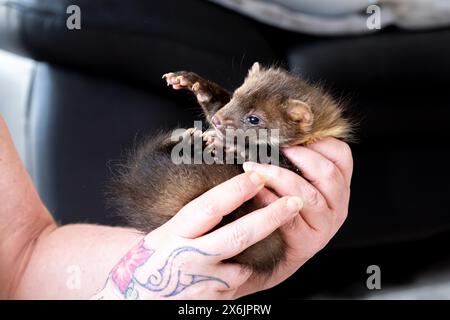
(85, 96)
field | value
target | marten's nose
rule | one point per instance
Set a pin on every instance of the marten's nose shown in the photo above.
(216, 121)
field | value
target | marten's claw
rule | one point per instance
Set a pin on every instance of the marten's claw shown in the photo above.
(209, 137)
(182, 80)
(167, 75)
(177, 82)
(196, 87)
(192, 132)
(172, 80)
(169, 78)
(190, 81)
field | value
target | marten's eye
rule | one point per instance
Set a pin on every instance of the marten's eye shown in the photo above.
(253, 120)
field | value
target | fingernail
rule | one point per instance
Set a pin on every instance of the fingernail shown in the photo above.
(252, 166)
(294, 204)
(256, 178)
(248, 166)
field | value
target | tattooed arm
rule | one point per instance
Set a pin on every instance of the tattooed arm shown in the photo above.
(181, 260)
(39, 260)
(173, 270)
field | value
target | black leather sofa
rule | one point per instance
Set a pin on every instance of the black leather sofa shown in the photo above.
(98, 89)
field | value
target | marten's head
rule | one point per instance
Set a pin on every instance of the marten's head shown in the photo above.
(274, 99)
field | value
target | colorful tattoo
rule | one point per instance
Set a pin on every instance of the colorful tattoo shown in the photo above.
(123, 273)
(168, 278)
(159, 282)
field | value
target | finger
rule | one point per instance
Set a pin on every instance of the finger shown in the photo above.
(338, 152)
(322, 173)
(284, 182)
(205, 212)
(237, 236)
(266, 197)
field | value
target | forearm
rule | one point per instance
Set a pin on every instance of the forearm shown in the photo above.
(37, 258)
(73, 262)
(23, 217)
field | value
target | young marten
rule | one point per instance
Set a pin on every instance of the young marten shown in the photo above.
(150, 188)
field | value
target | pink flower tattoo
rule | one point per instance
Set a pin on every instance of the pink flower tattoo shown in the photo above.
(123, 273)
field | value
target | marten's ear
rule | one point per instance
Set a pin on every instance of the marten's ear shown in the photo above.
(254, 69)
(301, 112)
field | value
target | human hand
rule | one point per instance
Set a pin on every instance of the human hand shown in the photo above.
(326, 167)
(181, 260)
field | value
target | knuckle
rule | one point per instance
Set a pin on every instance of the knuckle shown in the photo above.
(209, 210)
(238, 275)
(242, 276)
(330, 171)
(198, 209)
(310, 196)
(292, 225)
(239, 189)
(239, 238)
(275, 217)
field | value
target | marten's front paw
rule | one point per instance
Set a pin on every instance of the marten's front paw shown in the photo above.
(181, 80)
(193, 132)
(210, 137)
(189, 81)
(212, 141)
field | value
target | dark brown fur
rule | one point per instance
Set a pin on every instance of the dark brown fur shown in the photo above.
(150, 188)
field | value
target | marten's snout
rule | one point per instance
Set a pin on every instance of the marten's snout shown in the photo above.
(216, 121)
(222, 123)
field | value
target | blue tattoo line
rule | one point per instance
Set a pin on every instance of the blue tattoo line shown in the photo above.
(159, 282)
